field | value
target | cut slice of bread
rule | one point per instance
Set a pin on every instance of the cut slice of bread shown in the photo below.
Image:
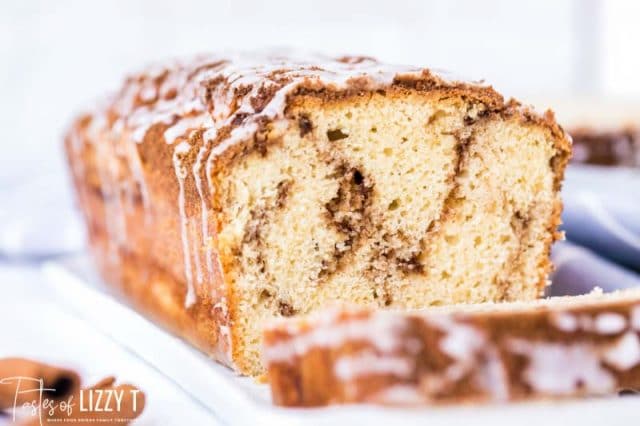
(553, 348)
(223, 192)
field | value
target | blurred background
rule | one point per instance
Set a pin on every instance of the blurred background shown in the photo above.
(576, 56)
(59, 55)
(579, 57)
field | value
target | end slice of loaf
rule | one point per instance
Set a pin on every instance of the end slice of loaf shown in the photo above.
(223, 192)
(554, 348)
(605, 132)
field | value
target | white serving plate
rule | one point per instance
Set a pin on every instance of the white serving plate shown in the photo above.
(239, 400)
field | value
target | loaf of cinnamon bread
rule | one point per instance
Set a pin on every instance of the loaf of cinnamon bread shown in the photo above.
(555, 348)
(607, 147)
(221, 192)
(605, 131)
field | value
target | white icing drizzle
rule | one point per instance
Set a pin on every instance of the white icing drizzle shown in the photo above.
(559, 369)
(138, 176)
(114, 217)
(564, 321)
(609, 323)
(204, 213)
(604, 323)
(112, 176)
(180, 128)
(93, 133)
(366, 363)
(625, 353)
(472, 354)
(635, 318)
(148, 93)
(383, 332)
(196, 252)
(127, 149)
(209, 136)
(183, 92)
(76, 142)
(461, 342)
(181, 174)
(225, 330)
(493, 375)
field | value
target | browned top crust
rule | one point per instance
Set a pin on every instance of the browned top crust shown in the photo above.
(215, 103)
(232, 96)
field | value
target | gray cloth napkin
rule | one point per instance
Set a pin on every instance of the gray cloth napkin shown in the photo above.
(602, 211)
(579, 270)
(602, 224)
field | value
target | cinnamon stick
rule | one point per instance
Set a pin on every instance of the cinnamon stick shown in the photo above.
(22, 379)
